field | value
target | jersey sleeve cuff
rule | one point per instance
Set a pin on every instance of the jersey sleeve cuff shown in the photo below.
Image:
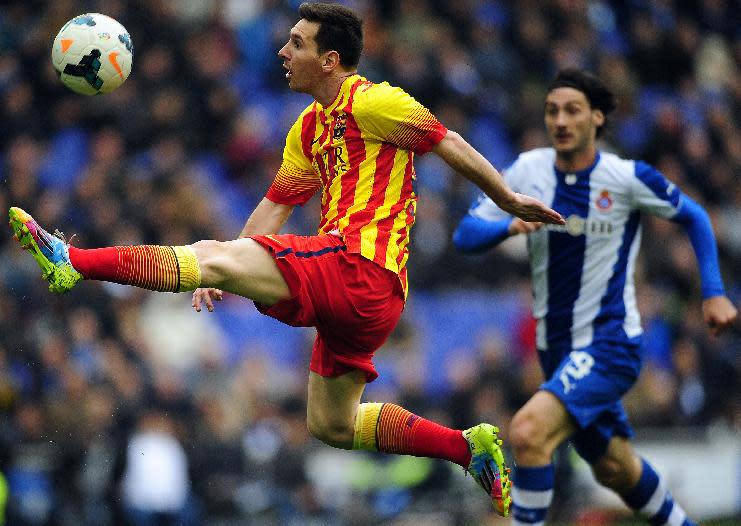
(282, 199)
(431, 140)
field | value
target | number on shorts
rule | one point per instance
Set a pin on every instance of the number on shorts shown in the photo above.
(580, 364)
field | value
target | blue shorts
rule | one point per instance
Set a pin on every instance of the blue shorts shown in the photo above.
(590, 383)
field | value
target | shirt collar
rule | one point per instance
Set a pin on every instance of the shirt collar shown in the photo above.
(342, 94)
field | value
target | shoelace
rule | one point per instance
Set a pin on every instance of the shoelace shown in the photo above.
(59, 234)
(44, 235)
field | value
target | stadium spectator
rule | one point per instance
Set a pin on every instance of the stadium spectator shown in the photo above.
(155, 485)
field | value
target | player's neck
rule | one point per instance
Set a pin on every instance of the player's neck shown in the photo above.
(576, 161)
(331, 88)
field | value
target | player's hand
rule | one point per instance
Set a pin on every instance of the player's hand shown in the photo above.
(518, 226)
(719, 314)
(530, 209)
(207, 297)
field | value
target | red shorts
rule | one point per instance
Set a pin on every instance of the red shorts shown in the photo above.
(353, 303)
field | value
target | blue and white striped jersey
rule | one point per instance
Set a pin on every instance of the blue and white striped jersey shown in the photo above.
(582, 272)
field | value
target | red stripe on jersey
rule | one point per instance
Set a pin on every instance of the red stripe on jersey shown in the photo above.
(325, 174)
(406, 191)
(384, 164)
(386, 225)
(356, 155)
(308, 129)
(355, 151)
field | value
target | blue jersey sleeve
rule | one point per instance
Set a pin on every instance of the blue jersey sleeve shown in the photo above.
(475, 234)
(654, 193)
(697, 224)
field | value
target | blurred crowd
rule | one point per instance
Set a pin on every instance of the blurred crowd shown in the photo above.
(120, 406)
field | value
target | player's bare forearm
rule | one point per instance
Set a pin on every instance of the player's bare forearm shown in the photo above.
(267, 218)
(468, 162)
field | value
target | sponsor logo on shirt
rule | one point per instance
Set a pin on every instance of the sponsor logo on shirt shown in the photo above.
(579, 226)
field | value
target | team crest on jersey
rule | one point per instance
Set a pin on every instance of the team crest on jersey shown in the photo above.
(340, 125)
(604, 201)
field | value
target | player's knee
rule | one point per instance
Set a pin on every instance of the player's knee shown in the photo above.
(210, 256)
(526, 437)
(334, 434)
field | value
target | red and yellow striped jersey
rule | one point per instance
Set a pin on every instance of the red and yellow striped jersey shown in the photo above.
(359, 151)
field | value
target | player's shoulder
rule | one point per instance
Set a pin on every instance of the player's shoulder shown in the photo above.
(366, 87)
(616, 162)
(377, 94)
(618, 167)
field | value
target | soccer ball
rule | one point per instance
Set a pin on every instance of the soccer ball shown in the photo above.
(92, 54)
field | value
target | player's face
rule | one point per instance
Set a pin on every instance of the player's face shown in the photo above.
(301, 57)
(571, 122)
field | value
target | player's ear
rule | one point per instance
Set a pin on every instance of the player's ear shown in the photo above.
(331, 61)
(598, 118)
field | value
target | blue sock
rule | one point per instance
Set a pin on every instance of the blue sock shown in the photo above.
(651, 499)
(532, 492)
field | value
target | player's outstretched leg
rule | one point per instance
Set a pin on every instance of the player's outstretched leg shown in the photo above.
(487, 466)
(51, 252)
(152, 267)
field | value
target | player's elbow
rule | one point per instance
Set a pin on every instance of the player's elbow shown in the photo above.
(455, 138)
(454, 150)
(691, 214)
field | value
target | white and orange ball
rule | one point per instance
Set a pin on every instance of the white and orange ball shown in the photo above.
(92, 54)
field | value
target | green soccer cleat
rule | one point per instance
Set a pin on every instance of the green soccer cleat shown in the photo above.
(51, 252)
(487, 465)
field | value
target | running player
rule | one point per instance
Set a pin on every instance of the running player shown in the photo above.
(588, 327)
(355, 144)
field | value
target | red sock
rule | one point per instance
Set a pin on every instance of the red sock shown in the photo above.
(147, 266)
(400, 431)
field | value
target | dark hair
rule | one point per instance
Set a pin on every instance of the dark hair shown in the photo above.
(340, 29)
(598, 95)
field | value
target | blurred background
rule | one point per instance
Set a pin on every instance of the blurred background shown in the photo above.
(121, 406)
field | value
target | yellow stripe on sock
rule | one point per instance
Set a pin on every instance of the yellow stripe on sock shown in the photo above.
(365, 426)
(189, 269)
